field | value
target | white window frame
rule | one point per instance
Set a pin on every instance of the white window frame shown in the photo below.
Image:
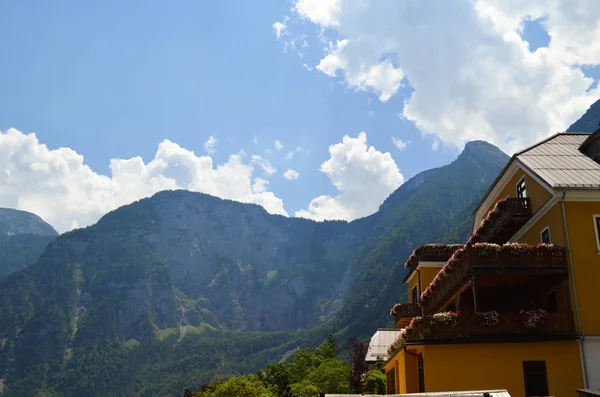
(549, 235)
(522, 179)
(596, 232)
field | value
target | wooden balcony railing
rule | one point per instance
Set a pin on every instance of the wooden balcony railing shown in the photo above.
(407, 310)
(431, 253)
(505, 260)
(508, 325)
(437, 252)
(504, 220)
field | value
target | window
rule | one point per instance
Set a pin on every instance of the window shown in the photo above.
(553, 302)
(415, 295)
(521, 189)
(536, 379)
(546, 235)
(391, 381)
(597, 230)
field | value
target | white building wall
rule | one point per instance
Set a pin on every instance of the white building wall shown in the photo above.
(591, 348)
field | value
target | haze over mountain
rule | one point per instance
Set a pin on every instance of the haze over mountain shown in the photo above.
(23, 237)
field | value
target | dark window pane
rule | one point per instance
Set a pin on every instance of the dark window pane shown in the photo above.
(536, 380)
(546, 236)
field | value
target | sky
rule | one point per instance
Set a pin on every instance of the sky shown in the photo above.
(310, 108)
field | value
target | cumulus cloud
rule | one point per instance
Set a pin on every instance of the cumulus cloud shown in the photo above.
(278, 144)
(291, 174)
(288, 156)
(58, 186)
(210, 144)
(399, 143)
(363, 176)
(471, 73)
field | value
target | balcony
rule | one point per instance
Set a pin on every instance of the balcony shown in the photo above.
(403, 313)
(431, 253)
(473, 327)
(523, 268)
(503, 221)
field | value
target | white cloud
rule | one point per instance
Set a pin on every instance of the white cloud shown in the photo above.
(363, 176)
(278, 144)
(210, 144)
(399, 143)
(299, 149)
(280, 27)
(255, 140)
(472, 75)
(264, 164)
(291, 174)
(288, 156)
(58, 186)
(323, 12)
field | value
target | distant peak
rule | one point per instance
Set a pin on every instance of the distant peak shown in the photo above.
(481, 151)
(479, 145)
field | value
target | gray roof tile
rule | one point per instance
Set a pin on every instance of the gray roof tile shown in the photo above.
(560, 164)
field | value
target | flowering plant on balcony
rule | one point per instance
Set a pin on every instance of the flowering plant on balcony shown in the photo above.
(486, 221)
(405, 333)
(395, 309)
(487, 249)
(518, 248)
(446, 319)
(534, 318)
(489, 319)
(549, 247)
(413, 259)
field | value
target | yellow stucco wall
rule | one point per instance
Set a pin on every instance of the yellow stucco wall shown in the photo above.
(536, 192)
(427, 275)
(405, 365)
(499, 366)
(586, 261)
(552, 219)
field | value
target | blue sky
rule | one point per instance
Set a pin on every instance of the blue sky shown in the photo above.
(111, 80)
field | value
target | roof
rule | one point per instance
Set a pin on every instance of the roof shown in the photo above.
(561, 145)
(588, 392)
(380, 342)
(560, 164)
(476, 393)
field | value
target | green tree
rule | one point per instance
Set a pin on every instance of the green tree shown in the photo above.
(242, 386)
(375, 382)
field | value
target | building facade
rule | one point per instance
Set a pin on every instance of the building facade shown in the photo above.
(515, 306)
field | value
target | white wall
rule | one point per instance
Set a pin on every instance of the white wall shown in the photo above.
(591, 348)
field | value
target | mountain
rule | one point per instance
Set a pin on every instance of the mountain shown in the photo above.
(23, 237)
(173, 289)
(589, 122)
(434, 206)
(14, 222)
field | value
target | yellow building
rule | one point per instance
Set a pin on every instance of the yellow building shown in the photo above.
(515, 306)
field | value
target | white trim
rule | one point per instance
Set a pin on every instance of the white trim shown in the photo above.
(582, 195)
(549, 236)
(517, 186)
(596, 230)
(535, 218)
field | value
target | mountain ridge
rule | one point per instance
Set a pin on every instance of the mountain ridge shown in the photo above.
(158, 281)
